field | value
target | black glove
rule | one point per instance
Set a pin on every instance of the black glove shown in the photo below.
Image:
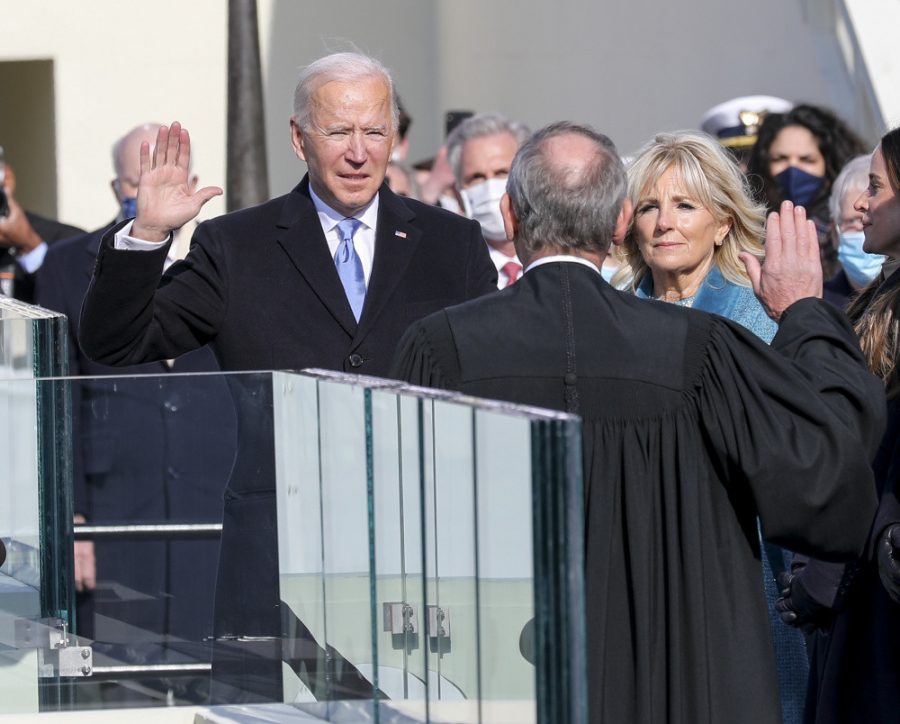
(889, 561)
(796, 606)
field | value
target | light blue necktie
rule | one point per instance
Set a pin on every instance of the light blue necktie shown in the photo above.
(349, 267)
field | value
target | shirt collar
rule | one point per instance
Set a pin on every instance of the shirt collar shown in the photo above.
(561, 257)
(329, 218)
(499, 258)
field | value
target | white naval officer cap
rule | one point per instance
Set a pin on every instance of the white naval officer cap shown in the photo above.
(735, 123)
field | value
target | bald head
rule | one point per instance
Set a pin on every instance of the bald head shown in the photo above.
(126, 152)
(569, 157)
(566, 189)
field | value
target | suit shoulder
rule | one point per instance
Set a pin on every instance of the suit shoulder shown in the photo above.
(50, 230)
(68, 249)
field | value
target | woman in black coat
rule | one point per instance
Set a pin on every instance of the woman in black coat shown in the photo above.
(855, 670)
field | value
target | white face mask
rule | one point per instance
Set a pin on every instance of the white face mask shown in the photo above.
(482, 203)
(860, 267)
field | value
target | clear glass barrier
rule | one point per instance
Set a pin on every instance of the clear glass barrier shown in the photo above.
(31, 591)
(301, 538)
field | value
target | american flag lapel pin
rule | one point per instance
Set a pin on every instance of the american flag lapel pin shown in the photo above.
(401, 234)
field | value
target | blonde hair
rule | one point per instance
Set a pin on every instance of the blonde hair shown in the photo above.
(710, 175)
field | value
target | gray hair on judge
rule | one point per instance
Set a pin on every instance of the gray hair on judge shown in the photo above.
(343, 67)
(480, 126)
(854, 175)
(558, 206)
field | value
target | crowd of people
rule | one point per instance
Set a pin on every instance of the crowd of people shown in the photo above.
(741, 434)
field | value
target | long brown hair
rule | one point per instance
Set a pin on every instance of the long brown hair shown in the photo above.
(877, 322)
(876, 317)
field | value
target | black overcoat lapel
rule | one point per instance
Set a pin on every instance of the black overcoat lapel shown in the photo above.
(300, 235)
(396, 240)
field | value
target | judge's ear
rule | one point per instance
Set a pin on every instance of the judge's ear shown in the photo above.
(297, 140)
(510, 222)
(623, 221)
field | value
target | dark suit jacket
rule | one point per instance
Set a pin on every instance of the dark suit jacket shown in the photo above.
(145, 449)
(50, 231)
(260, 287)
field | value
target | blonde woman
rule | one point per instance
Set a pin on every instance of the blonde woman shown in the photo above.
(693, 217)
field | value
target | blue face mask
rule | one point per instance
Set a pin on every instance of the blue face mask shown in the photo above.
(799, 186)
(129, 207)
(860, 267)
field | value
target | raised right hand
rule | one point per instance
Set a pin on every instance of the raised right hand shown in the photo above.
(792, 269)
(165, 199)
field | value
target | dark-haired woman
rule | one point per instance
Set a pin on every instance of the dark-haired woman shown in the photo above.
(797, 157)
(855, 671)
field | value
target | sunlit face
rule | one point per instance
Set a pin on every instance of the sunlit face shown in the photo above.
(676, 235)
(796, 146)
(348, 146)
(850, 219)
(487, 157)
(880, 208)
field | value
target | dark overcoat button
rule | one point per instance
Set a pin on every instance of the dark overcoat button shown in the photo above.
(355, 360)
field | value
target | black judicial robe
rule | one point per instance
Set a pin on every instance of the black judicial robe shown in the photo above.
(692, 429)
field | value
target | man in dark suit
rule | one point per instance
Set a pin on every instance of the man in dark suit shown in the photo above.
(24, 240)
(145, 450)
(328, 275)
(692, 429)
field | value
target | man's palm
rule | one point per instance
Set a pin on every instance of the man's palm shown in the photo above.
(166, 199)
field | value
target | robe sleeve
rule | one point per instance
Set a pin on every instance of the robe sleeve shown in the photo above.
(426, 355)
(798, 428)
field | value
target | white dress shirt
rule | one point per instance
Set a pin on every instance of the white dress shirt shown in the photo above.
(363, 239)
(178, 250)
(31, 261)
(561, 257)
(499, 259)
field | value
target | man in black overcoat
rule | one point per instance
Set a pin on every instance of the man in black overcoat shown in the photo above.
(145, 451)
(329, 276)
(692, 429)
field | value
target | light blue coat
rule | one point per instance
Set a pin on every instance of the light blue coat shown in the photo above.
(727, 299)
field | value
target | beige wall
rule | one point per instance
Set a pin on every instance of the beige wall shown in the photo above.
(112, 71)
(27, 115)
(628, 68)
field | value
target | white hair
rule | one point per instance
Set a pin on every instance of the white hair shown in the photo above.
(346, 67)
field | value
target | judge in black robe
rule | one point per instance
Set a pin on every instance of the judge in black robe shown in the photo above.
(692, 428)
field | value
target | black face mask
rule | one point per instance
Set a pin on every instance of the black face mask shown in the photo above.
(798, 186)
